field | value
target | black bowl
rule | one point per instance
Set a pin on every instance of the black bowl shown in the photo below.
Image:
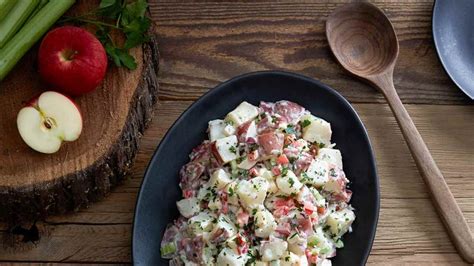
(159, 191)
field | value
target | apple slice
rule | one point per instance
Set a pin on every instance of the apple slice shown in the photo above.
(49, 120)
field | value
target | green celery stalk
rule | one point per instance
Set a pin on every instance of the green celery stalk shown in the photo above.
(41, 4)
(15, 19)
(5, 7)
(30, 33)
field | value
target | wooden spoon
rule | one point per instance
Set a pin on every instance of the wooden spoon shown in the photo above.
(364, 42)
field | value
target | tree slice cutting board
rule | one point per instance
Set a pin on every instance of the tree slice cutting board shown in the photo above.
(34, 185)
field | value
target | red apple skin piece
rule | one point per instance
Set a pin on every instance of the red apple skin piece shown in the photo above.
(271, 141)
(242, 131)
(33, 102)
(216, 153)
(72, 60)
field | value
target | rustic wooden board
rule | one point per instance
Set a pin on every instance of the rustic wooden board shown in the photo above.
(33, 185)
(208, 42)
(409, 230)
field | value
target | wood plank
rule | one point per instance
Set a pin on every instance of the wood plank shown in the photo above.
(211, 42)
(411, 226)
(76, 243)
(409, 229)
(417, 260)
(39, 263)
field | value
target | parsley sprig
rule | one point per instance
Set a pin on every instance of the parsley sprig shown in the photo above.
(127, 17)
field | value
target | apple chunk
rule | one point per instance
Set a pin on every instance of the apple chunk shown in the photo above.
(48, 121)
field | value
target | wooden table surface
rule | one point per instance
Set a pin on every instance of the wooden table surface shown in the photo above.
(203, 44)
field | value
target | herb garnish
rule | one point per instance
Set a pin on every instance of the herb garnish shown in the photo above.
(305, 123)
(127, 17)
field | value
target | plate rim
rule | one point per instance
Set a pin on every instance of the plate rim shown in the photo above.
(434, 11)
(218, 87)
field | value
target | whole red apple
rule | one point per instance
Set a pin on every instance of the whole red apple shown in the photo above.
(72, 59)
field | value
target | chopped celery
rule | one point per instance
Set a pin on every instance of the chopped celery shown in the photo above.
(313, 241)
(339, 243)
(30, 33)
(167, 249)
(15, 19)
(5, 7)
(233, 165)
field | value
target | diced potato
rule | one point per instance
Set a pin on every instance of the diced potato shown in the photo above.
(243, 113)
(337, 182)
(224, 223)
(273, 249)
(267, 174)
(317, 131)
(188, 207)
(320, 201)
(331, 207)
(296, 243)
(251, 131)
(246, 164)
(204, 192)
(231, 190)
(231, 242)
(219, 179)
(216, 129)
(291, 259)
(252, 192)
(228, 257)
(289, 184)
(272, 187)
(209, 251)
(334, 186)
(319, 242)
(214, 204)
(229, 130)
(324, 262)
(264, 222)
(339, 222)
(332, 156)
(225, 149)
(201, 223)
(303, 261)
(317, 173)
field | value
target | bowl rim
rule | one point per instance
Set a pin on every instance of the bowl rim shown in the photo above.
(435, 36)
(220, 86)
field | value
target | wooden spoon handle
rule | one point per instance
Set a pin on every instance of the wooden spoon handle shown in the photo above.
(449, 211)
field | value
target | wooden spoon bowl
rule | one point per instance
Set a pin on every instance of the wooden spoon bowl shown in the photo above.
(365, 44)
(359, 39)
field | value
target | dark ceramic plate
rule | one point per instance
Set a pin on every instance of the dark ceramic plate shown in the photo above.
(159, 192)
(453, 33)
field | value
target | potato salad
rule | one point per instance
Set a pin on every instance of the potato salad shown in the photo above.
(267, 188)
